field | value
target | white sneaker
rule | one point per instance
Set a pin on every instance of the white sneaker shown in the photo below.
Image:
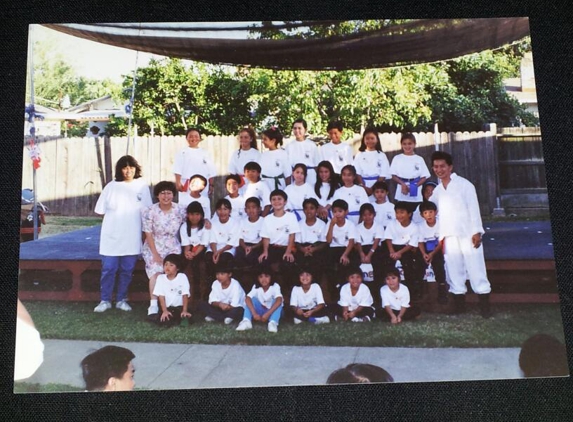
(297, 321)
(123, 305)
(152, 310)
(244, 325)
(273, 327)
(228, 321)
(209, 319)
(103, 306)
(356, 319)
(322, 320)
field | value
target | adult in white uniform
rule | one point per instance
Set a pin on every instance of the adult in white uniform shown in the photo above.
(461, 228)
(193, 160)
(302, 150)
(120, 202)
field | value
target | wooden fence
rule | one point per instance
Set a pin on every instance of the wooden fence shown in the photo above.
(74, 170)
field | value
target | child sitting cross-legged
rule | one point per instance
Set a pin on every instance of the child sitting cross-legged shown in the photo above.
(307, 302)
(172, 291)
(227, 297)
(263, 303)
(396, 299)
(355, 302)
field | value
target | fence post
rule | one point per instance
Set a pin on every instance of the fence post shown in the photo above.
(498, 211)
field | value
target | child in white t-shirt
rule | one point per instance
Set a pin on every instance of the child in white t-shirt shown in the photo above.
(353, 194)
(396, 300)
(263, 303)
(355, 302)
(194, 240)
(298, 191)
(384, 208)
(172, 291)
(250, 242)
(409, 171)
(246, 153)
(402, 240)
(223, 238)
(311, 246)
(427, 191)
(193, 160)
(255, 187)
(197, 185)
(227, 298)
(275, 167)
(371, 163)
(232, 183)
(340, 235)
(326, 185)
(302, 150)
(338, 153)
(307, 302)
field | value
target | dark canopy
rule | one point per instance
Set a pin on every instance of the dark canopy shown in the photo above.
(419, 41)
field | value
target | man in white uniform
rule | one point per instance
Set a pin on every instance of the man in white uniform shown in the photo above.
(461, 228)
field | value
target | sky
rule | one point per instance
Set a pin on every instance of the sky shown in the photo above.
(100, 61)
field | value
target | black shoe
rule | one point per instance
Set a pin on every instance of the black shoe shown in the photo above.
(459, 304)
(484, 308)
(443, 294)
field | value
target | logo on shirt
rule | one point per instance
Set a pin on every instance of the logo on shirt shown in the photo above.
(417, 166)
(139, 196)
(277, 163)
(306, 155)
(379, 164)
(357, 200)
(204, 161)
(340, 158)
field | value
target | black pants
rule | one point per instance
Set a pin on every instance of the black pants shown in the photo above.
(226, 259)
(411, 313)
(336, 272)
(380, 261)
(413, 270)
(316, 263)
(218, 314)
(365, 311)
(174, 319)
(196, 271)
(322, 313)
(286, 271)
(438, 265)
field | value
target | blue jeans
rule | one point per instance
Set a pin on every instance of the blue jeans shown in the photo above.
(123, 266)
(275, 316)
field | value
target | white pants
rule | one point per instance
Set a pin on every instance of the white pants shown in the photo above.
(463, 261)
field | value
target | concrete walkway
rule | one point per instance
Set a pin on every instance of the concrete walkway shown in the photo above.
(183, 366)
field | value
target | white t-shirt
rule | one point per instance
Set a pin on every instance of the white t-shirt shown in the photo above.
(311, 234)
(396, 300)
(427, 233)
(459, 208)
(342, 235)
(237, 208)
(367, 236)
(267, 299)
(384, 213)
(172, 290)
(401, 235)
(251, 232)
(324, 192)
(185, 199)
(338, 155)
(275, 163)
(197, 237)
(296, 196)
(190, 161)
(371, 165)
(304, 152)
(306, 300)
(362, 298)
(354, 196)
(258, 190)
(278, 229)
(225, 234)
(233, 295)
(121, 203)
(239, 158)
(409, 167)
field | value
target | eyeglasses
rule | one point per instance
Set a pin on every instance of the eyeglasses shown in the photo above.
(166, 192)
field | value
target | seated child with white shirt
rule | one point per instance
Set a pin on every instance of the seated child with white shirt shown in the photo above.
(172, 291)
(227, 298)
(307, 302)
(396, 299)
(355, 302)
(263, 303)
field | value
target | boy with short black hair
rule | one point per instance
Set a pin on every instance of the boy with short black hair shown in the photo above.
(197, 184)
(431, 247)
(250, 241)
(382, 205)
(278, 234)
(338, 153)
(340, 235)
(311, 241)
(232, 184)
(396, 299)
(227, 298)
(402, 240)
(356, 301)
(256, 187)
(173, 293)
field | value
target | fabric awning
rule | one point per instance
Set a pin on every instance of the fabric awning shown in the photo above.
(419, 41)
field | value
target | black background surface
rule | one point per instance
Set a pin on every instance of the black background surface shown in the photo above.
(526, 400)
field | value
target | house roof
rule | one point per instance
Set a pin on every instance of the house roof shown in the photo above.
(86, 105)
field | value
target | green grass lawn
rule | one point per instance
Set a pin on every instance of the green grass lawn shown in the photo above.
(509, 327)
(56, 224)
(27, 387)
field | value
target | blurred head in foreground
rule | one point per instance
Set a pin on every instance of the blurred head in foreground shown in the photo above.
(543, 355)
(109, 369)
(359, 373)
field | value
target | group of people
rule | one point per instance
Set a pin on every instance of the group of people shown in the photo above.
(294, 219)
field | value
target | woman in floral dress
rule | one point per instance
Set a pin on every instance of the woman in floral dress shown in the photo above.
(160, 223)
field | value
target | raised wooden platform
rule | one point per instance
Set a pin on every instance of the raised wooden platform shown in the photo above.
(519, 258)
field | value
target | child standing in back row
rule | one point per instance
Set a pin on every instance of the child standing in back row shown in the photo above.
(409, 171)
(338, 153)
(371, 163)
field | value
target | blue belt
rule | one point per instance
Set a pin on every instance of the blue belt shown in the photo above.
(370, 177)
(353, 213)
(298, 217)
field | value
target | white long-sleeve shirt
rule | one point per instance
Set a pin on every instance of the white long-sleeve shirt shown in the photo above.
(459, 208)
